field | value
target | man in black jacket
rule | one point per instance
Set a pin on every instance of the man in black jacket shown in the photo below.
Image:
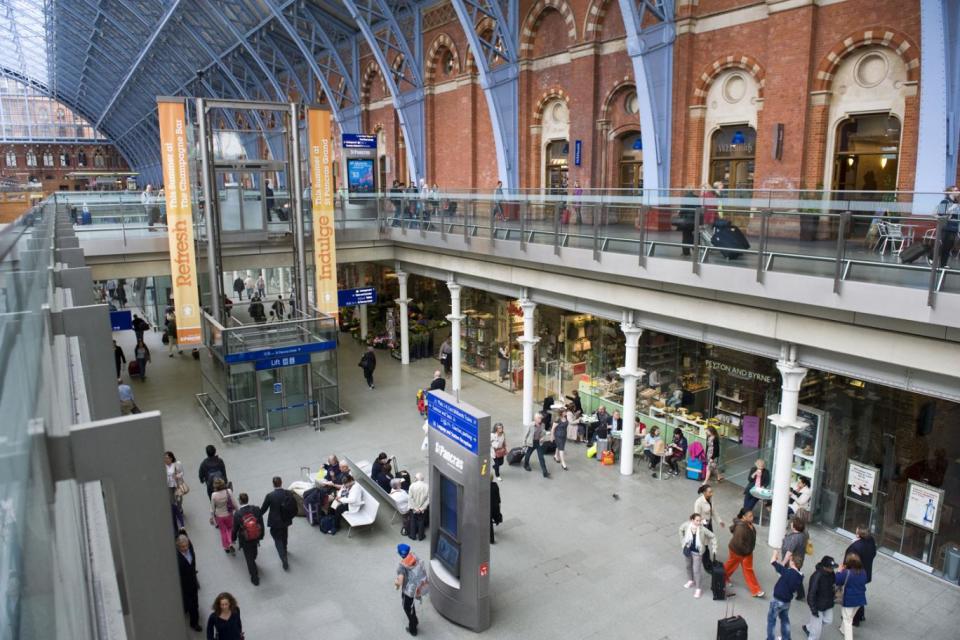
(280, 507)
(820, 598)
(118, 357)
(438, 383)
(865, 547)
(189, 587)
(368, 363)
(212, 468)
(248, 531)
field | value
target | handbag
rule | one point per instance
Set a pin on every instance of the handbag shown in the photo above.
(592, 451)
(182, 488)
(838, 592)
(499, 452)
(809, 548)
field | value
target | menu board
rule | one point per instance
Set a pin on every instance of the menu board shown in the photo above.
(861, 483)
(922, 507)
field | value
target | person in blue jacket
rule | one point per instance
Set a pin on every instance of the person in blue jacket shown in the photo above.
(853, 579)
(783, 593)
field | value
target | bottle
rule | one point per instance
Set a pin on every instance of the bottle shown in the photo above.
(928, 512)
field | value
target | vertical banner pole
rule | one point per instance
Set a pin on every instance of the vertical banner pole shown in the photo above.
(174, 151)
(321, 193)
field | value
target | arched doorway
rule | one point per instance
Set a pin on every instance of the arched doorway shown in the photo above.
(732, 156)
(556, 146)
(630, 162)
(867, 153)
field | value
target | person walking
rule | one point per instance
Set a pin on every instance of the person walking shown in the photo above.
(171, 329)
(496, 517)
(704, 507)
(224, 622)
(498, 449)
(238, 287)
(949, 211)
(189, 586)
(142, 354)
(139, 326)
(410, 576)
(853, 579)
(128, 404)
(368, 363)
(713, 456)
(794, 546)
(790, 582)
(248, 531)
(503, 362)
(695, 540)
(532, 442)
(743, 541)
(419, 504)
(497, 211)
(149, 201)
(278, 308)
(118, 357)
(175, 480)
(281, 507)
(560, 439)
(261, 287)
(222, 507)
(248, 286)
(866, 549)
(446, 356)
(820, 597)
(212, 468)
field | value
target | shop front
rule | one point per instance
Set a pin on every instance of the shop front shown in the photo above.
(488, 338)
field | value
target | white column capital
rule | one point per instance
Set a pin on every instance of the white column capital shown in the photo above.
(785, 423)
(454, 287)
(403, 301)
(528, 306)
(792, 375)
(632, 333)
(402, 276)
(455, 318)
(635, 374)
(530, 341)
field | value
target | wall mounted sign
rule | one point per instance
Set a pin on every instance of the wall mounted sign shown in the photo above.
(281, 361)
(280, 352)
(861, 483)
(738, 372)
(577, 150)
(453, 422)
(121, 320)
(358, 141)
(354, 297)
(922, 506)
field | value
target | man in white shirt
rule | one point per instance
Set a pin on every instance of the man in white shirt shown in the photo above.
(419, 503)
(127, 403)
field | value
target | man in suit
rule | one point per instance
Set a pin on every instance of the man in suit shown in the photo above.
(280, 507)
(438, 382)
(189, 587)
(248, 535)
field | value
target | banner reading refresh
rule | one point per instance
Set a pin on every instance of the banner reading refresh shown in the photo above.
(321, 193)
(176, 182)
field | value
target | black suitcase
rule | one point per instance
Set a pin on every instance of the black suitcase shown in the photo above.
(548, 447)
(729, 237)
(914, 252)
(718, 581)
(515, 456)
(732, 628)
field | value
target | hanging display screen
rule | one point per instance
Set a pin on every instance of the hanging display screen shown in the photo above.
(360, 175)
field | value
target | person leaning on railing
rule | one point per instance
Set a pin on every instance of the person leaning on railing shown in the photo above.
(949, 210)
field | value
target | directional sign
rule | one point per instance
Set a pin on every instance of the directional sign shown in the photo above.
(280, 352)
(353, 297)
(121, 320)
(358, 141)
(282, 361)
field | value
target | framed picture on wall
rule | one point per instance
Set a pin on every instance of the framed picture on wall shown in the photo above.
(922, 506)
(861, 484)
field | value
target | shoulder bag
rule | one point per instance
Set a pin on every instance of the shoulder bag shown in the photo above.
(838, 591)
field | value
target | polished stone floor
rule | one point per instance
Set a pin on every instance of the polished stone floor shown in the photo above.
(586, 554)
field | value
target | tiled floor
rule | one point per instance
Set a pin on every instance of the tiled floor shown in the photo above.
(586, 554)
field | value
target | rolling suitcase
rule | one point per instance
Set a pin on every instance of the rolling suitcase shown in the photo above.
(718, 581)
(695, 469)
(729, 237)
(515, 455)
(731, 627)
(914, 252)
(133, 368)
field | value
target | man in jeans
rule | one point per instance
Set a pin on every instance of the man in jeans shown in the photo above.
(784, 591)
(532, 442)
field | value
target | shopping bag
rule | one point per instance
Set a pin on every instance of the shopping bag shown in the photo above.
(592, 450)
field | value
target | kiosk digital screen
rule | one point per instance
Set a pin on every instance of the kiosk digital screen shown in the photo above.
(449, 496)
(448, 553)
(360, 175)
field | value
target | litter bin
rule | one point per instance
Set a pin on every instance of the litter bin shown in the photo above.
(951, 563)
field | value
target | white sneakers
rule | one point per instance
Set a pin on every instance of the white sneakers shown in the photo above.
(697, 593)
(688, 585)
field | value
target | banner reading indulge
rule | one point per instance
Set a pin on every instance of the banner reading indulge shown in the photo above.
(321, 192)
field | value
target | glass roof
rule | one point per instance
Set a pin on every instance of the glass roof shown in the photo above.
(23, 37)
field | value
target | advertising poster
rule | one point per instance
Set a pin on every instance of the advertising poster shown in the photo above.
(321, 190)
(861, 482)
(174, 148)
(360, 175)
(922, 507)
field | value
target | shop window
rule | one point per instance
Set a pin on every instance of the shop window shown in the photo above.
(31, 158)
(631, 161)
(48, 158)
(732, 156)
(867, 153)
(11, 158)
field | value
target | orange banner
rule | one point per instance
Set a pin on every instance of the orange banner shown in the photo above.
(174, 149)
(321, 195)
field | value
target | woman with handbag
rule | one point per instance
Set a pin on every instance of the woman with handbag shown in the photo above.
(560, 439)
(222, 507)
(696, 541)
(853, 593)
(177, 487)
(498, 446)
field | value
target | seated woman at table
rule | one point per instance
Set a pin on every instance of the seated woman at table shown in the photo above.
(799, 496)
(759, 477)
(649, 444)
(677, 451)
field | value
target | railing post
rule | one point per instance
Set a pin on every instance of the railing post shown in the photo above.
(697, 212)
(556, 228)
(602, 213)
(935, 264)
(841, 249)
(493, 226)
(467, 211)
(642, 222)
(524, 210)
(764, 226)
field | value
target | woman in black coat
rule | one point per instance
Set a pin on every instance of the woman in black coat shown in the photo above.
(495, 516)
(865, 547)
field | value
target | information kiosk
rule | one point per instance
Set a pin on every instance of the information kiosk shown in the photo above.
(459, 441)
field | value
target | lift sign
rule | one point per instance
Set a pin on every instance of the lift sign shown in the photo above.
(285, 361)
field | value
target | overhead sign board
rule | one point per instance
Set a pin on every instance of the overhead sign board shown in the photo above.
(358, 141)
(353, 297)
(453, 422)
(282, 361)
(281, 352)
(121, 320)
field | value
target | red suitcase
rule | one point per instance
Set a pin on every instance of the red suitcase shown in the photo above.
(133, 368)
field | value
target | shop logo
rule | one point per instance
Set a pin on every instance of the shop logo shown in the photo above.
(448, 456)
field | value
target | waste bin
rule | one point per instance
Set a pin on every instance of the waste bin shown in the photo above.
(951, 563)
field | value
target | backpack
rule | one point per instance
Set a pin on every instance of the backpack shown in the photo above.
(419, 578)
(212, 475)
(251, 527)
(288, 508)
(328, 524)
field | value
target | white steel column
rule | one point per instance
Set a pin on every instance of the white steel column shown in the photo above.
(362, 310)
(630, 374)
(283, 281)
(787, 425)
(455, 319)
(528, 341)
(403, 301)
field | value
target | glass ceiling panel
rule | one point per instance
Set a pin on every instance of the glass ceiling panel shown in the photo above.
(23, 45)
(27, 115)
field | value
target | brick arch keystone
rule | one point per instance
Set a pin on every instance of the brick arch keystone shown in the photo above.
(528, 31)
(718, 66)
(545, 97)
(888, 37)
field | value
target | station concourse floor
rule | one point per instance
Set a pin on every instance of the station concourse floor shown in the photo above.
(571, 561)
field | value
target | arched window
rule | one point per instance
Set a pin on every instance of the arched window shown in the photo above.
(867, 153)
(31, 158)
(732, 154)
(98, 160)
(64, 159)
(82, 158)
(47, 158)
(446, 63)
(555, 132)
(11, 158)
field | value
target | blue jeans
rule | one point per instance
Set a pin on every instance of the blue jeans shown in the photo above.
(781, 610)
